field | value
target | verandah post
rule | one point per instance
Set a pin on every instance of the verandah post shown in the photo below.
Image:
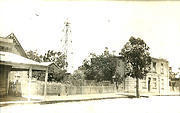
(29, 84)
(45, 85)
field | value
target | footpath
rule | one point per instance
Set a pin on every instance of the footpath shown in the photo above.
(71, 98)
(58, 99)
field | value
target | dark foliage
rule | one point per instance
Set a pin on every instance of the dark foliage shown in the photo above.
(100, 67)
(137, 58)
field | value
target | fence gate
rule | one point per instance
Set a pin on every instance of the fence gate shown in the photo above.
(15, 89)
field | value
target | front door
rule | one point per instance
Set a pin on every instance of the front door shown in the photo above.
(4, 70)
(149, 84)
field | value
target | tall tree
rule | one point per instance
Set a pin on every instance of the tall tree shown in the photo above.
(137, 58)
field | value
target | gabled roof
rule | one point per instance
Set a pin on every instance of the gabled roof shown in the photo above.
(52, 67)
(12, 36)
(49, 64)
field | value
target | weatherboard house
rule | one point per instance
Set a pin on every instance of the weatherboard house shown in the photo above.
(156, 82)
(16, 69)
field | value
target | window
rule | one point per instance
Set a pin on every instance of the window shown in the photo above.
(144, 78)
(162, 83)
(143, 82)
(154, 67)
(154, 83)
(144, 85)
(162, 68)
(2, 48)
(154, 79)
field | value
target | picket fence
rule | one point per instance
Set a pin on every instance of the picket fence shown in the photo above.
(53, 88)
(64, 89)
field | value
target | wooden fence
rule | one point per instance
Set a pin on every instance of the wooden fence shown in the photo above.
(62, 89)
(37, 88)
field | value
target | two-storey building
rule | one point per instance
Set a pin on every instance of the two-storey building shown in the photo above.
(156, 81)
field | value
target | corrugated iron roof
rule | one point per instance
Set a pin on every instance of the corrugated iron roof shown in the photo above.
(46, 63)
(13, 58)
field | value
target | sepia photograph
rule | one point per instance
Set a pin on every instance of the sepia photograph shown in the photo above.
(83, 56)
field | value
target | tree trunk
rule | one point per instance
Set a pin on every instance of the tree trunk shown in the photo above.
(137, 88)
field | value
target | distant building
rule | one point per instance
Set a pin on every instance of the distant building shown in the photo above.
(172, 74)
(53, 70)
(174, 82)
(156, 81)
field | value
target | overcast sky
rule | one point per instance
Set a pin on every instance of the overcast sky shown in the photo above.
(38, 25)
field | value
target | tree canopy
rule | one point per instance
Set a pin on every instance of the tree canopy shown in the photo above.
(33, 55)
(56, 57)
(137, 58)
(100, 67)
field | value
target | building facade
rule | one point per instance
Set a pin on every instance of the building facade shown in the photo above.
(156, 81)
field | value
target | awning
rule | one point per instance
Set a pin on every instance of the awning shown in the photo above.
(16, 61)
(19, 62)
